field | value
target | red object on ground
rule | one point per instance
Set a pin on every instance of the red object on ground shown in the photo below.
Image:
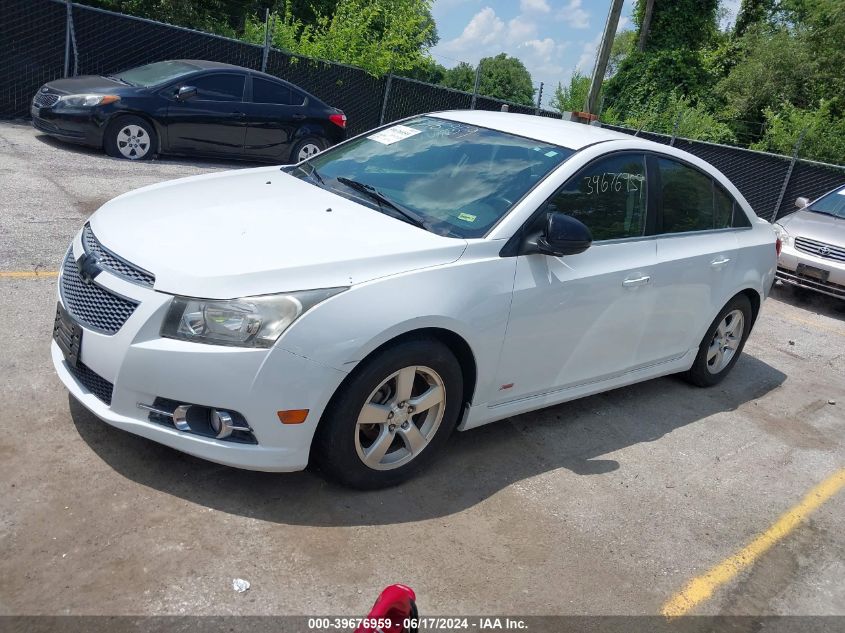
(397, 603)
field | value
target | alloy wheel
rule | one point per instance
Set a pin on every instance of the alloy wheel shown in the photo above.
(726, 340)
(133, 142)
(400, 418)
(307, 151)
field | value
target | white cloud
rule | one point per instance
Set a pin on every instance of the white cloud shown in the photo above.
(521, 29)
(588, 55)
(574, 15)
(484, 28)
(534, 6)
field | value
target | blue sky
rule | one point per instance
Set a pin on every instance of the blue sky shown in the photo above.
(551, 37)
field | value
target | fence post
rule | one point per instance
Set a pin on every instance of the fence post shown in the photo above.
(475, 87)
(539, 99)
(68, 18)
(675, 128)
(788, 174)
(386, 97)
(266, 40)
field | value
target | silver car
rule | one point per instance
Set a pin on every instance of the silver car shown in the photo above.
(812, 252)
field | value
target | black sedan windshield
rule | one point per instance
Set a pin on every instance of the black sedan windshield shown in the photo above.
(831, 204)
(155, 74)
(459, 178)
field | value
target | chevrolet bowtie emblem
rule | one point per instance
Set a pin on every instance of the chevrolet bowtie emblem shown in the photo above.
(89, 267)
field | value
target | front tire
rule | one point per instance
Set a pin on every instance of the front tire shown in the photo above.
(307, 147)
(392, 416)
(130, 137)
(721, 346)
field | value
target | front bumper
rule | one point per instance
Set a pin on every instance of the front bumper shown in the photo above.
(141, 366)
(788, 272)
(83, 126)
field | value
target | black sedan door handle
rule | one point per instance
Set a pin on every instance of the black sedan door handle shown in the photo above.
(239, 114)
(299, 117)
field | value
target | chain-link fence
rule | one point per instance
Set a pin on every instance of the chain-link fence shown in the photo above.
(41, 40)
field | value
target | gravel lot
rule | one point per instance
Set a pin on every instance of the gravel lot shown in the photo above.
(607, 505)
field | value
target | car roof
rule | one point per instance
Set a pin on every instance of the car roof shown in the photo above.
(204, 64)
(563, 133)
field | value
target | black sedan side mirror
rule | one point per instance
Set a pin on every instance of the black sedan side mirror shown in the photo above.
(564, 235)
(186, 92)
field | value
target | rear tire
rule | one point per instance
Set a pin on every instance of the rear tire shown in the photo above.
(130, 137)
(368, 437)
(722, 345)
(306, 148)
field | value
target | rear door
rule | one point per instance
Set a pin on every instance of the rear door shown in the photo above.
(696, 250)
(214, 121)
(274, 113)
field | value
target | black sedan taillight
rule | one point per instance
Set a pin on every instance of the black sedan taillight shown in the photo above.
(338, 119)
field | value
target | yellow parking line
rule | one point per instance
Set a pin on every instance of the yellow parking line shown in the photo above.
(702, 587)
(26, 274)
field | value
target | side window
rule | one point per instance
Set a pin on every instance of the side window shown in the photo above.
(725, 207)
(608, 196)
(264, 91)
(297, 98)
(219, 87)
(687, 198)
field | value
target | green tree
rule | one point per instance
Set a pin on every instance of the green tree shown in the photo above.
(460, 77)
(623, 43)
(501, 77)
(824, 132)
(571, 98)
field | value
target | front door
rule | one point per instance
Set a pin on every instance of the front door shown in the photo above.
(212, 122)
(582, 318)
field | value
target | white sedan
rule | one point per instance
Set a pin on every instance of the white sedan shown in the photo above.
(443, 272)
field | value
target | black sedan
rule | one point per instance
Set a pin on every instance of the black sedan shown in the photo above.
(188, 107)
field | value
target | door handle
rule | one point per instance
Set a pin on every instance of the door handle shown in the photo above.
(636, 281)
(721, 261)
(299, 117)
(239, 114)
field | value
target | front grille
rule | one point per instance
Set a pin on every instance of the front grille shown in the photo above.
(93, 382)
(820, 249)
(45, 100)
(91, 304)
(112, 262)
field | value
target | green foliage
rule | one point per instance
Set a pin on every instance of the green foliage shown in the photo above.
(824, 136)
(571, 98)
(624, 43)
(686, 24)
(502, 77)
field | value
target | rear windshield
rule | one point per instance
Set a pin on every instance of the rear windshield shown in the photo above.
(460, 178)
(831, 204)
(155, 74)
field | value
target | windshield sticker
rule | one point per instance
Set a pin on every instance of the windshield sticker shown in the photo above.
(551, 153)
(393, 134)
(841, 192)
(467, 217)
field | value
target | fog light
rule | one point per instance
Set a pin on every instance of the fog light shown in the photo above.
(221, 423)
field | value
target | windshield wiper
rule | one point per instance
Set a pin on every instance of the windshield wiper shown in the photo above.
(368, 190)
(121, 80)
(830, 213)
(313, 173)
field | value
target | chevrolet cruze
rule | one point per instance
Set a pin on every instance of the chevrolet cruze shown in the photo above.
(443, 272)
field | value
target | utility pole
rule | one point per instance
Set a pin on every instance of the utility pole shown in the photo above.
(539, 99)
(603, 55)
(646, 25)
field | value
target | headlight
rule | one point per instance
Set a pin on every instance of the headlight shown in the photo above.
(782, 234)
(247, 322)
(86, 101)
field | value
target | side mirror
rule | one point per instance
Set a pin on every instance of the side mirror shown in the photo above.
(564, 235)
(186, 92)
(802, 202)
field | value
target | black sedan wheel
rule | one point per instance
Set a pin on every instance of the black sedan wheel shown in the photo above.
(130, 137)
(306, 148)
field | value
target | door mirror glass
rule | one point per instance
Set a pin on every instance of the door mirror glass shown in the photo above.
(186, 92)
(802, 202)
(564, 235)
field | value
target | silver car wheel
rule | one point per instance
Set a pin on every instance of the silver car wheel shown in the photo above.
(726, 340)
(133, 142)
(307, 151)
(400, 418)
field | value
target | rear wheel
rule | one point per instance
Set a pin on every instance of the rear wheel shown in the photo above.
(306, 148)
(392, 416)
(130, 137)
(723, 343)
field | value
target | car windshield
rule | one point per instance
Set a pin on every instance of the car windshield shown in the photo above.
(155, 74)
(456, 179)
(831, 204)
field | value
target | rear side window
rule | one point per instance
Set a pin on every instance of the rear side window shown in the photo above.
(608, 196)
(692, 201)
(219, 87)
(264, 91)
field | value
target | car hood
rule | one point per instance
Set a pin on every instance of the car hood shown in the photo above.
(815, 226)
(90, 84)
(260, 231)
